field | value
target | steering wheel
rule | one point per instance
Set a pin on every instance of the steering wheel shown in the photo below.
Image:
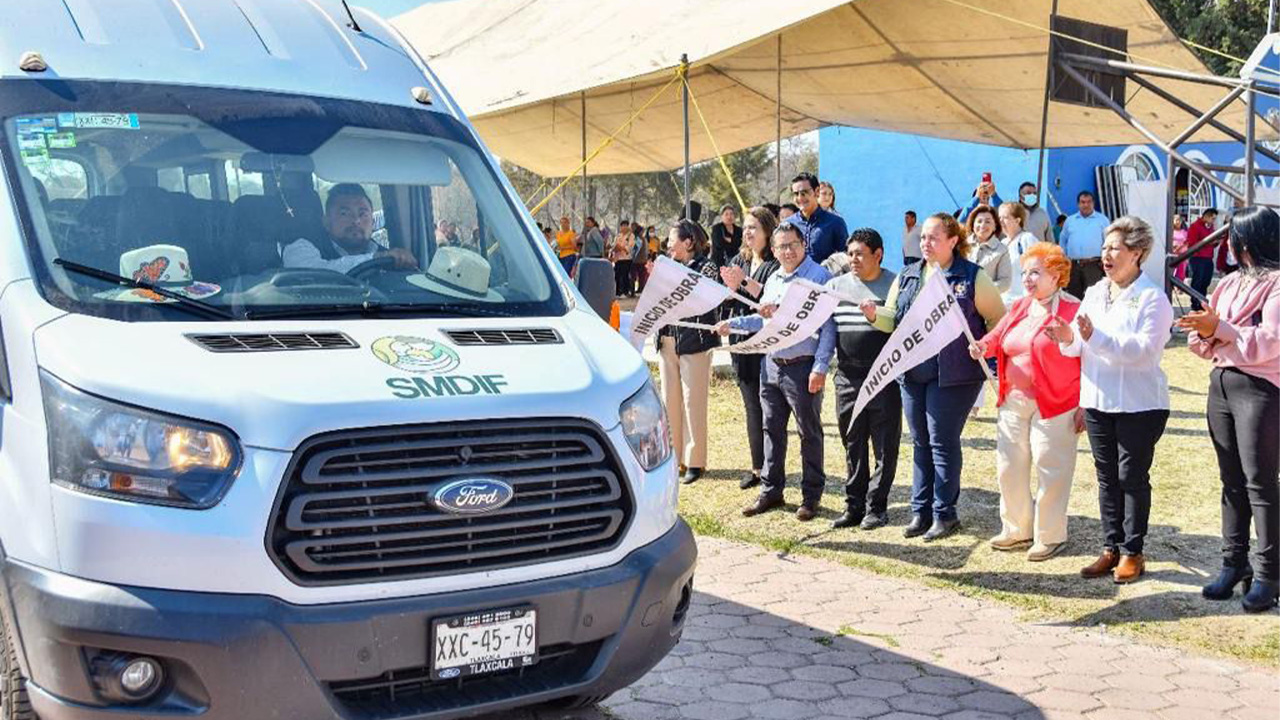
(377, 264)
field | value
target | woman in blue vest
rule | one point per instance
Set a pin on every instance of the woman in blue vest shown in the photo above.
(937, 394)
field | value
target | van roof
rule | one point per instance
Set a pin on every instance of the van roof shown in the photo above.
(295, 46)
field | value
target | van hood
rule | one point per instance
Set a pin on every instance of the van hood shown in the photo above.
(401, 372)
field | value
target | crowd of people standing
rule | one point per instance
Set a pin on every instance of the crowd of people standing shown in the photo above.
(1074, 330)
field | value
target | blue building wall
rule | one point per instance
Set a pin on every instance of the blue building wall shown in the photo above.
(879, 175)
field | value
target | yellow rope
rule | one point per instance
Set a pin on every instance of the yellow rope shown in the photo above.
(534, 194)
(714, 146)
(1228, 56)
(606, 143)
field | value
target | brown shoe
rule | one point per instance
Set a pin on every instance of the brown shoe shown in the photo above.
(1130, 568)
(805, 513)
(1105, 563)
(761, 505)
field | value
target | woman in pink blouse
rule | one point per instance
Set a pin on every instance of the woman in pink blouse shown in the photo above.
(1240, 332)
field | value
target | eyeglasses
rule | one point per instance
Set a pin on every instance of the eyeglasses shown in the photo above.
(787, 247)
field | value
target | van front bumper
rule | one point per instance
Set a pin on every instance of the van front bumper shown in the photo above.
(230, 657)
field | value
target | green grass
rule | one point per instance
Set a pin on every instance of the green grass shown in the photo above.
(1165, 607)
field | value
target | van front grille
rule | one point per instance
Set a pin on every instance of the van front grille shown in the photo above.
(356, 506)
(269, 342)
(530, 336)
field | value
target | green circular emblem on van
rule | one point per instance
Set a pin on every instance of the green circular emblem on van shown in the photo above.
(415, 354)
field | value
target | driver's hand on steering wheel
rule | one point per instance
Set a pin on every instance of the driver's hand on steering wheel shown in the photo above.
(404, 259)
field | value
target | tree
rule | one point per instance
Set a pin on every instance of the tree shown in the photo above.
(1234, 27)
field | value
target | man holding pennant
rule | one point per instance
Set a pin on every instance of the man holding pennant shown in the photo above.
(799, 342)
(673, 292)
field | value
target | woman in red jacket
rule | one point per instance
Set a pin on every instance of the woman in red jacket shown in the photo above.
(1039, 418)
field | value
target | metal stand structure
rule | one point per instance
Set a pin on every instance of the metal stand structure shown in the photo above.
(1077, 66)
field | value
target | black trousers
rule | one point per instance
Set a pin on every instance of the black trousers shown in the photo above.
(1084, 273)
(622, 277)
(784, 391)
(880, 424)
(1201, 277)
(1244, 423)
(1124, 444)
(748, 368)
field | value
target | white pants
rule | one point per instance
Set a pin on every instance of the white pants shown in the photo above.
(1025, 440)
(686, 382)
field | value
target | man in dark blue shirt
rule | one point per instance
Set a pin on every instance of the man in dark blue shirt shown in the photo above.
(823, 232)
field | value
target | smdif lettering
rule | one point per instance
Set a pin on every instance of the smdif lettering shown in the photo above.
(446, 386)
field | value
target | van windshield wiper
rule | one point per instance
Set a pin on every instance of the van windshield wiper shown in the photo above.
(189, 304)
(377, 310)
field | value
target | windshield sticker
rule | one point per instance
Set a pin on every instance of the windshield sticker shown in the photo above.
(114, 121)
(34, 141)
(35, 157)
(61, 141)
(427, 357)
(27, 126)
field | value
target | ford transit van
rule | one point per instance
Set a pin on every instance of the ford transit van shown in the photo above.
(299, 416)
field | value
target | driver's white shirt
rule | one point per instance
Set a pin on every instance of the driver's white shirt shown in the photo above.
(302, 253)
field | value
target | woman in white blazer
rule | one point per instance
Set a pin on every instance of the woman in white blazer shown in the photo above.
(1119, 334)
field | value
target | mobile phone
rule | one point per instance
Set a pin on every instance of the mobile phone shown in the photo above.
(986, 177)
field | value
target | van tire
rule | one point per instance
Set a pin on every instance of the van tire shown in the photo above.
(573, 702)
(14, 704)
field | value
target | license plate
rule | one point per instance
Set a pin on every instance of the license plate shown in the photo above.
(483, 642)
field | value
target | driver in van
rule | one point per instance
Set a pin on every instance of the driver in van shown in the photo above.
(348, 225)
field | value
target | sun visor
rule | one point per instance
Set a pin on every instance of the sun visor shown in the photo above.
(350, 157)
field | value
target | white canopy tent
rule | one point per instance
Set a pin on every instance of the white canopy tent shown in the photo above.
(525, 71)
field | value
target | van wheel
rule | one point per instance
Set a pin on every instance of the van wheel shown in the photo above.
(574, 702)
(14, 704)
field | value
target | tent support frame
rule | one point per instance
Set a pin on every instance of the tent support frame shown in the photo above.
(1071, 64)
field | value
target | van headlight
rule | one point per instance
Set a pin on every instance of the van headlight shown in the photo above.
(105, 448)
(644, 422)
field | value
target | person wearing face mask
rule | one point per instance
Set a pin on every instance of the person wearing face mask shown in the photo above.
(1037, 222)
(1119, 334)
(1039, 415)
(937, 393)
(990, 253)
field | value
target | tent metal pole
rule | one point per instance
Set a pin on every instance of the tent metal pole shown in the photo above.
(582, 99)
(1202, 120)
(684, 99)
(1106, 100)
(1250, 143)
(1044, 110)
(1099, 63)
(777, 114)
(1170, 207)
(1210, 117)
(1271, 17)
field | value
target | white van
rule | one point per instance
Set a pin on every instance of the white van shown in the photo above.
(299, 416)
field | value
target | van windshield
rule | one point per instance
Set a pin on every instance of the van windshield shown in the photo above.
(265, 206)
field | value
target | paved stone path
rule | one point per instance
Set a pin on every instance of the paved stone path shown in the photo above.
(797, 638)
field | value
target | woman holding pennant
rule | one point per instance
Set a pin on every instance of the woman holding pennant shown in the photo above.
(685, 370)
(1039, 417)
(746, 274)
(937, 394)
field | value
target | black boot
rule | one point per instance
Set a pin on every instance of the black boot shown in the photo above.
(920, 524)
(1225, 586)
(850, 518)
(1261, 597)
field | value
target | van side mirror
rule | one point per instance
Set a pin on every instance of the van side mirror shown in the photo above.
(596, 283)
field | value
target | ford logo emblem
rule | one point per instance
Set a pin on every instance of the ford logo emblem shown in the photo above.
(448, 673)
(472, 496)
